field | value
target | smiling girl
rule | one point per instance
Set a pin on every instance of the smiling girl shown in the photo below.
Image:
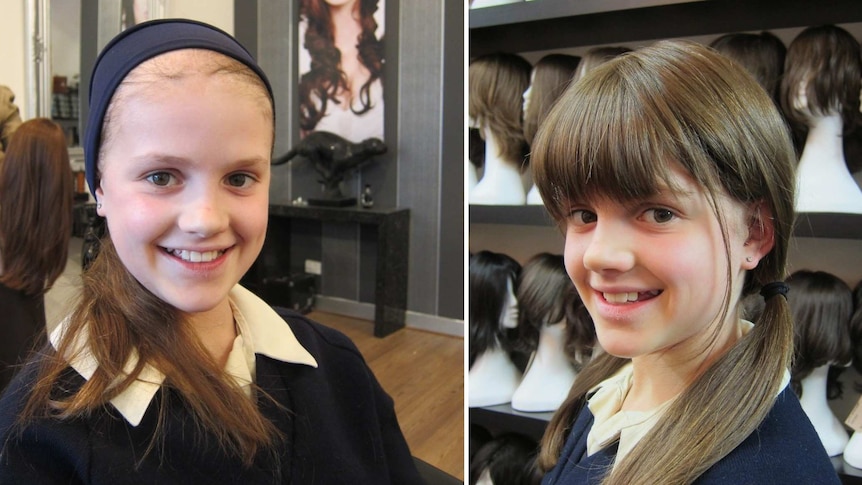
(167, 371)
(671, 173)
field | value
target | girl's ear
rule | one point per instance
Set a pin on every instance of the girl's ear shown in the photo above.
(761, 235)
(99, 196)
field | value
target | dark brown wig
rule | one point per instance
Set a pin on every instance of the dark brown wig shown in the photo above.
(541, 293)
(821, 305)
(36, 192)
(828, 62)
(319, 86)
(490, 276)
(762, 55)
(551, 76)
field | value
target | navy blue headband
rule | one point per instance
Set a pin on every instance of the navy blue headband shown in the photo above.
(138, 44)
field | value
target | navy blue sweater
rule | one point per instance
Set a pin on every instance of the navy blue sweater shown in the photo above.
(783, 450)
(340, 428)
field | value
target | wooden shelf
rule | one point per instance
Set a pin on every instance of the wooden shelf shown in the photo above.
(557, 24)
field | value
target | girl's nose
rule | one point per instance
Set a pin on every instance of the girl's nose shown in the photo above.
(610, 248)
(203, 214)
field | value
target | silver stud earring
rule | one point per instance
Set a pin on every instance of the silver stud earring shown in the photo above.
(98, 205)
(749, 259)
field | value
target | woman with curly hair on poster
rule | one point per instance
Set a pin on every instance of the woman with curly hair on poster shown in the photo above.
(341, 67)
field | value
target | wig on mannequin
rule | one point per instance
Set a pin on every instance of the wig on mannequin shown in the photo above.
(596, 57)
(762, 55)
(541, 296)
(497, 82)
(856, 329)
(827, 61)
(821, 305)
(508, 459)
(551, 76)
(490, 276)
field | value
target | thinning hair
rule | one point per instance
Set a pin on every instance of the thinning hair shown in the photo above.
(36, 192)
(617, 134)
(825, 59)
(497, 84)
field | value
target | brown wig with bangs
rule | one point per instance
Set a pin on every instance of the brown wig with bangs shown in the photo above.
(616, 134)
(497, 84)
(36, 194)
(760, 54)
(827, 60)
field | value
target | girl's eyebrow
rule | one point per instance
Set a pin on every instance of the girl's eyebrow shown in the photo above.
(159, 159)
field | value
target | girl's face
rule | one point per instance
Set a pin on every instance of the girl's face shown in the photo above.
(653, 274)
(185, 186)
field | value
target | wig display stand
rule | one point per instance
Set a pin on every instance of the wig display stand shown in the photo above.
(549, 375)
(534, 197)
(830, 430)
(492, 379)
(824, 183)
(501, 183)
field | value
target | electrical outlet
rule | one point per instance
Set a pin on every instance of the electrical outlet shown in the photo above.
(312, 266)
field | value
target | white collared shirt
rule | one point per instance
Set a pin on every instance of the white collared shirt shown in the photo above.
(611, 422)
(260, 330)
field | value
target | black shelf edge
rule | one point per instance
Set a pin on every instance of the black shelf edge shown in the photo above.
(547, 24)
(505, 419)
(524, 215)
(808, 224)
(527, 11)
(828, 225)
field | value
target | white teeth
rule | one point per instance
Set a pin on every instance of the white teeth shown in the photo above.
(628, 296)
(195, 256)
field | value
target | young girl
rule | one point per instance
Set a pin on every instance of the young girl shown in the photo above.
(672, 173)
(35, 227)
(167, 371)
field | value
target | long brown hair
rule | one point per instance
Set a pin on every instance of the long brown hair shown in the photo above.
(119, 317)
(551, 76)
(616, 133)
(36, 195)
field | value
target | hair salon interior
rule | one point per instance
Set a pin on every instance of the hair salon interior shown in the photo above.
(381, 258)
(516, 249)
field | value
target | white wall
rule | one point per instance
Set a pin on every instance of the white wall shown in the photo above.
(214, 12)
(12, 69)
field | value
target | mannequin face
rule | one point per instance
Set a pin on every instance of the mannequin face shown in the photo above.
(509, 319)
(529, 92)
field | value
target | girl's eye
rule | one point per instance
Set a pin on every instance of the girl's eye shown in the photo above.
(161, 179)
(661, 216)
(239, 180)
(582, 217)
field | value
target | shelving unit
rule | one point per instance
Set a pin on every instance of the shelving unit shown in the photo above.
(548, 25)
(556, 24)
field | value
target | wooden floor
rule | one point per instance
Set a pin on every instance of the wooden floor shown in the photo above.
(424, 374)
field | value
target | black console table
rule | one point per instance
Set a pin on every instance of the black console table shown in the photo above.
(393, 242)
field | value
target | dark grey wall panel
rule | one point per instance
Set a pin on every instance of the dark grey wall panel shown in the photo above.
(452, 250)
(340, 258)
(419, 146)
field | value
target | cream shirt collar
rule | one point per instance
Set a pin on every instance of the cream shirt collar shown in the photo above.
(611, 423)
(261, 331)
